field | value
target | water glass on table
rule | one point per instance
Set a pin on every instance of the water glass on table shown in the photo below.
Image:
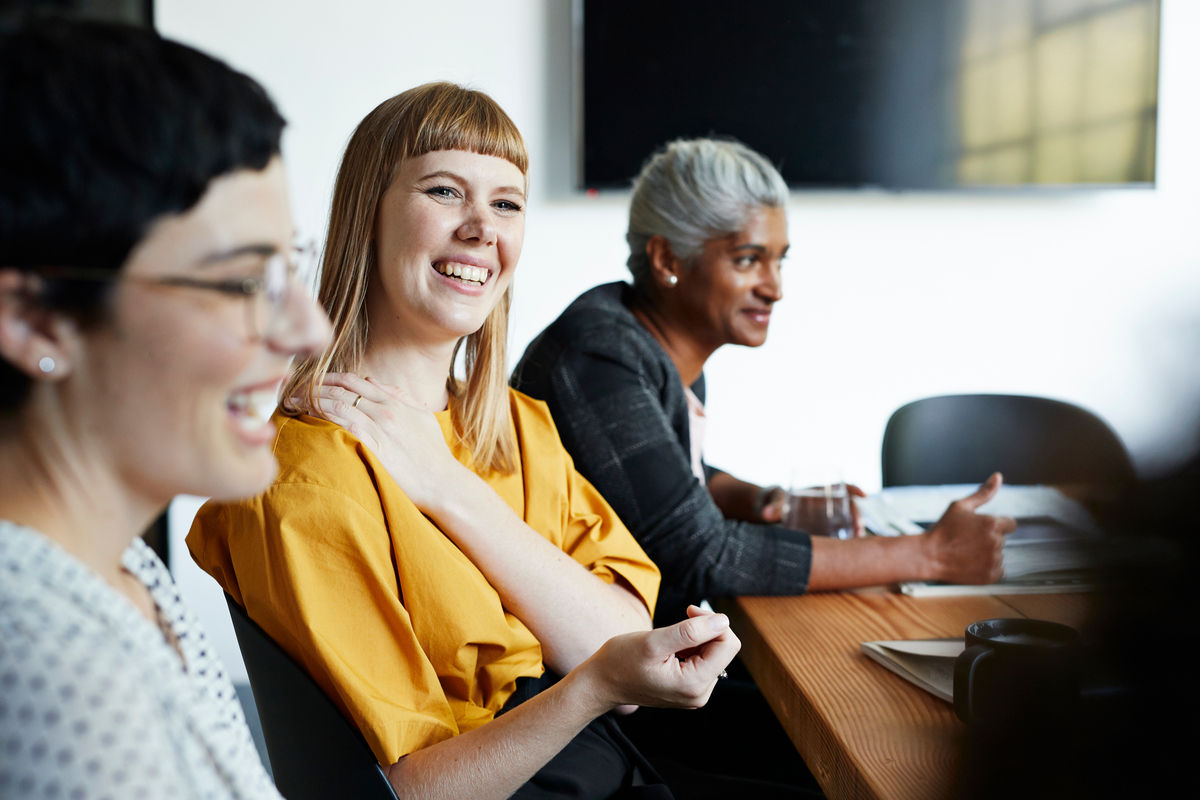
(820, 510)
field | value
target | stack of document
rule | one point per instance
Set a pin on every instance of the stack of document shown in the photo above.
(1057, 546)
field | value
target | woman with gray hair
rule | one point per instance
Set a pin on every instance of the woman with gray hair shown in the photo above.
(622, 372)
(694, 190)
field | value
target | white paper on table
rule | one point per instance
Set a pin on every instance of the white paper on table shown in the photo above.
(897, 509)
(928, 663)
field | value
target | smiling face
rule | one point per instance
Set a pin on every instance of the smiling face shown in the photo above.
(448, 235)
(726, 296)
(173, 384)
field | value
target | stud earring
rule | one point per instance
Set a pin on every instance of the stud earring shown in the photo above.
(46, 364)
(672, 280)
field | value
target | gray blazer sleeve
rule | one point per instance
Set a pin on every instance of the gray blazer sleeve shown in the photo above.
(620, 410)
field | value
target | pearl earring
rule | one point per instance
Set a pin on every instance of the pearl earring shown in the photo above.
(672, 280)
(46, 364)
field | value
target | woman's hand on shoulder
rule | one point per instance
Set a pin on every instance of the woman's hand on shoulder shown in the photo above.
(407, 439)
(672, 667)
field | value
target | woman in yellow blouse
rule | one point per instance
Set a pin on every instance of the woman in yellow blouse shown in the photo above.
(428, 549)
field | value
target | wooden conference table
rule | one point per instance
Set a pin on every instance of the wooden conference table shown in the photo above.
(863, 731)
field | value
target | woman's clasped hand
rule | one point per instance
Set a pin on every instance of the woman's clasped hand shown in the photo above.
(676, 666)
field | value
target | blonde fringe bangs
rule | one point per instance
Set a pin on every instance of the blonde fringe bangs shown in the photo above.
(458, 122)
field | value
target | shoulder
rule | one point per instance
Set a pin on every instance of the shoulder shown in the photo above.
(325, 474)
(601, 314)
(307, 446)
(48, 598)
(320, 459)
(527, 408)
(79, 697)
(77, 709)
(597, 325)
(532, 420)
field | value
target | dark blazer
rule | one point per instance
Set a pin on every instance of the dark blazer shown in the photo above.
(619, 405)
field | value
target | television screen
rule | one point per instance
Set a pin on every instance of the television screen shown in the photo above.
(899, 94)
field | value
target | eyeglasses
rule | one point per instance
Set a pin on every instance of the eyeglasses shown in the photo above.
(268, 296)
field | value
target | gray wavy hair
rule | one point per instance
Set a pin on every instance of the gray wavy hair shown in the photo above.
(694, 190)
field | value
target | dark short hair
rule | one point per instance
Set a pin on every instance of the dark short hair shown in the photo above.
(104, 129)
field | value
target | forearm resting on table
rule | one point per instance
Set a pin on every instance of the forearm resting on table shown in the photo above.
(570, 611)
(869, 561)
(963, 547)
(497, 758)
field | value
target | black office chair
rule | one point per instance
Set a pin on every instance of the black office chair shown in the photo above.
(1032, 440)
(315, 752)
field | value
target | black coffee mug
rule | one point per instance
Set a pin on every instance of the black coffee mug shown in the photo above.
(1017, 667)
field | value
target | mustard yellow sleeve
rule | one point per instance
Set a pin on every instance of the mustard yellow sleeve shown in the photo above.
(314, 569)
(595, 537)
(587, 527)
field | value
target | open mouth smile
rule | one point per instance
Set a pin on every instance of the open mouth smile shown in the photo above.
(463, 273)
(251, 408)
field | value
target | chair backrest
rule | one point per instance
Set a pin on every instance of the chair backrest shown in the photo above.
(1032, 440)
(315, 752)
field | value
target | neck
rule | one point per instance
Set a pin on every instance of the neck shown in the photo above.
(420, 370)
(685, 350)
(51, 481)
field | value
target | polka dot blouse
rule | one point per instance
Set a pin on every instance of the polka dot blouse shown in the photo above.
(94, 703)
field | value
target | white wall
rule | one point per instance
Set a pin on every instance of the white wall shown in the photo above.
(1092, 297)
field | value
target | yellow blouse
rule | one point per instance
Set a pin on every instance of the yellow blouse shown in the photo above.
(382, 609)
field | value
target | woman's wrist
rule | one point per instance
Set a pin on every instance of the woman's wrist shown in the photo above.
(584, 690)
(470, 499)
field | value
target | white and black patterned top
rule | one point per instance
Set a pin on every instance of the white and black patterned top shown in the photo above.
(94, 703)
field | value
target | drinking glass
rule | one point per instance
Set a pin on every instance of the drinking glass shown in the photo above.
(822, 510)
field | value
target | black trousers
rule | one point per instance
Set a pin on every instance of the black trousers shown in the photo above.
(600, 762)
(733, 747)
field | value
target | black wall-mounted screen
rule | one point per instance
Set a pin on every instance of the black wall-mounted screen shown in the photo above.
(903, 94)
(129, 12)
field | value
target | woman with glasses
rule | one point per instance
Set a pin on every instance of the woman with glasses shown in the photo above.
(148, 311)
(428, 552)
